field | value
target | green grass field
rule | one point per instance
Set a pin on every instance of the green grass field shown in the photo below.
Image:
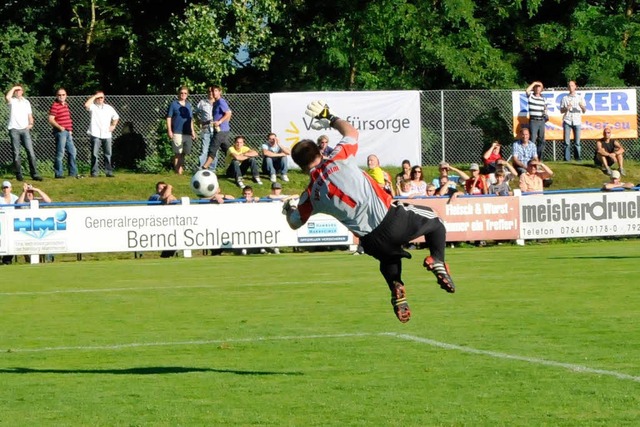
(545, 334)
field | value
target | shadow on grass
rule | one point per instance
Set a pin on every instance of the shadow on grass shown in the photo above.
(151, 370)
(598, 257)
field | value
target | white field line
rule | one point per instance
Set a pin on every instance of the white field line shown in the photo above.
(187, 343)
(506, 356)
(150, 288)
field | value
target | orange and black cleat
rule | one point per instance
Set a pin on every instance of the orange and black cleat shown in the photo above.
(399, 302)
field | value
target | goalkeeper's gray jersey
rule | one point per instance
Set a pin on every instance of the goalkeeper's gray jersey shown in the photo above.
(339, 188)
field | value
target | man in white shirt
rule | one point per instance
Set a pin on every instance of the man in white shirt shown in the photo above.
(572, 106)
(104, 120)
(20, 124)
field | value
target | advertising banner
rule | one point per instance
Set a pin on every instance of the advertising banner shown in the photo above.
(153, 228)
(476, 218)
(580, 215)
(616, 108)
(388, 122)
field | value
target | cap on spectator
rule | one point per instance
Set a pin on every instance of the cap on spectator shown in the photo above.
(276, 185)
(474, 167)
(615, 174)
(443, 165)
(6, 184)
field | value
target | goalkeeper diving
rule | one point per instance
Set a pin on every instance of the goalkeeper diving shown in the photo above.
(338, 187)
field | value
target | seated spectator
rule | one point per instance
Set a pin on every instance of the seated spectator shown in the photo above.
(476, 184)
(29, 193)
(219, 197)
(276, 192)
(405, 190)
(7, 198)
(240, 159)
(501, 187)
(616, 183)
(508, 171)
(404, 174)
(379, 175)
(431, 190)
(523, 151)
(444, 169)
(247, 195)
(608, 152)
(444, 189)
(275, 158)
(163, 194)
(323, 143)
(156, 197)
(417, 183)
(532, 179)
(491, 158)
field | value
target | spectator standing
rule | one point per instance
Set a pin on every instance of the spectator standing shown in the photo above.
(8, 198)
(274, 158)
(20, 124)
(204, 114)
(537, 115)
(180, 128)
(323, 144)
(615, 183)
(523, 151)
(381, 177)
(221, 128)
(572, 106)
(608, 152)
(240, 159)
(60, 119)
(104, 120)
(533, 179)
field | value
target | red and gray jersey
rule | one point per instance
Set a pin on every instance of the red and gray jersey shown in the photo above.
(341, 189)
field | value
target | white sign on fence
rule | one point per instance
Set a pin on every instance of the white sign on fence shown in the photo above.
(388, 121)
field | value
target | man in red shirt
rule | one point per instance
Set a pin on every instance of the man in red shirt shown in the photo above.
(60, 119)
(340, 188)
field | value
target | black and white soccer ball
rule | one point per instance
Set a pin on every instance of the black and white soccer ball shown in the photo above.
(204, 183)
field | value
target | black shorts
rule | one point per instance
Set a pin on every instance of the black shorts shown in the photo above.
(402, 223)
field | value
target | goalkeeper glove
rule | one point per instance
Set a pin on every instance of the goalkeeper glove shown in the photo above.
(319, 111)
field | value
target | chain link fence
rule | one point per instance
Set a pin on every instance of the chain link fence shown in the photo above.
(456, 126)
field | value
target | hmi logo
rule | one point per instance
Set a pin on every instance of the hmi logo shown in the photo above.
(41, 227)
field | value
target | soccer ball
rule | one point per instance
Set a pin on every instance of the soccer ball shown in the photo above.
(204, 183)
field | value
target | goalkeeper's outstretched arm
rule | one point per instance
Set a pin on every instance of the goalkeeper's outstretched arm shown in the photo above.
(345, 128)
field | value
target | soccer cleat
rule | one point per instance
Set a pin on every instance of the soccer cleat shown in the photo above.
(399, 302)
(441, 271)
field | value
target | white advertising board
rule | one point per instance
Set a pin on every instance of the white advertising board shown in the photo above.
(388, 122)
(151, 228)
(579, 215)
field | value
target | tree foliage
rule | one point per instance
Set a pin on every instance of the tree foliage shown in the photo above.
(269, 45)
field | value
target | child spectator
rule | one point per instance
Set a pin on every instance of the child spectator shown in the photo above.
(615, 183)
(501, 187)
